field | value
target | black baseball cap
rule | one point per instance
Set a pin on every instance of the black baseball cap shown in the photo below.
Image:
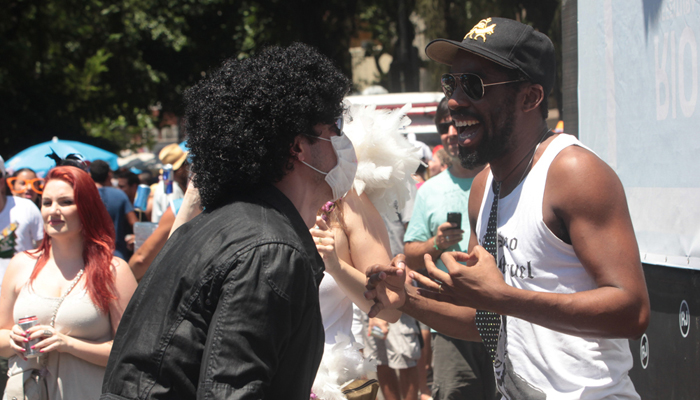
(506, 42)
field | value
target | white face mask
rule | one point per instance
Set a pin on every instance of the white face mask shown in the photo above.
(341, 177)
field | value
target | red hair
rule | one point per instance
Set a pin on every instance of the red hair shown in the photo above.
(97, 232)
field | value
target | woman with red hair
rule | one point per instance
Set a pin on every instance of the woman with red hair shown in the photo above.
(75, 290)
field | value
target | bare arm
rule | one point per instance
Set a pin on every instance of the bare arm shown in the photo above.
(18, 270)
(584, 201)
(587, 197)
(131, 218)
(352, 283)
(149, 207)
(442, 312)
(364, 242)
(427, 306)
(190, 208)
(448, 319)
(125, 286)
(144, 256)
(368, 242)
(414, 252)
(447, 235)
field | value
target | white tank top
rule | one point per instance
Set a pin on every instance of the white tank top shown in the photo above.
(336, 309)
(534, 362)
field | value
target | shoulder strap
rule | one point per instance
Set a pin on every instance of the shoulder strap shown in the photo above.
(559, 143)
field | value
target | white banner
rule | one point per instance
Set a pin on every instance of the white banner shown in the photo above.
(638, 109)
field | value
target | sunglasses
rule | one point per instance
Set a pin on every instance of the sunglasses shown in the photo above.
(444, 127)
(36, 184)
(338, 124)
(471, 84)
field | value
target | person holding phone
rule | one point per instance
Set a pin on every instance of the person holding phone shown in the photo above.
(429, 231)
(461, 369)
(557, 301)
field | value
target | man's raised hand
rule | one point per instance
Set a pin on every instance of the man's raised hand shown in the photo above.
(474, 285)
(385, 285)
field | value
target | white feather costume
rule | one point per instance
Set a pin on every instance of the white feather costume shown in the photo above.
(340, 365)
(386, 161)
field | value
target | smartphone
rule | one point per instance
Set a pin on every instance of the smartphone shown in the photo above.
(455, 218)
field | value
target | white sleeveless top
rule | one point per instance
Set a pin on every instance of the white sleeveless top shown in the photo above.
(533, 362)
(336, 364)
(336, 310)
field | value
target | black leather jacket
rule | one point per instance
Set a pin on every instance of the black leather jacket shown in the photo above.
(228, 309)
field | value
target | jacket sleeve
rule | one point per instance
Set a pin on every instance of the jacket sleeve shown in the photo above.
(260, 303)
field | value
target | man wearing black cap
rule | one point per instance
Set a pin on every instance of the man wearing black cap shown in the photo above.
(567, 287)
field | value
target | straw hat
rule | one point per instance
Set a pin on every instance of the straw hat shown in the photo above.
(173, 154)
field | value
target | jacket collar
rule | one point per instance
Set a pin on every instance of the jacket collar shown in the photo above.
(274, 197)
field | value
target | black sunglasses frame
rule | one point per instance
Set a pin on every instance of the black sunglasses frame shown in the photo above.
(444, 127)
(476, 93)
(338, 123)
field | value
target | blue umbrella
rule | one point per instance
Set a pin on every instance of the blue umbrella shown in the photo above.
(35, 157)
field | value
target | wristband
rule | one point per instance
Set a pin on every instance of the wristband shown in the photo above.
(435, 244)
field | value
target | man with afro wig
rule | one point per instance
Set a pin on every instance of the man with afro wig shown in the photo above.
(229, 308)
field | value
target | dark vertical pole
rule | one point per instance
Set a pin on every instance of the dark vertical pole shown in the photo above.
(569, 46)
(404, 45)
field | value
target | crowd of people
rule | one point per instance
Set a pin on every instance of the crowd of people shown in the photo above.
(303, 243)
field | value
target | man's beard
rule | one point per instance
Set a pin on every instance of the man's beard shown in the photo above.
(492, 145)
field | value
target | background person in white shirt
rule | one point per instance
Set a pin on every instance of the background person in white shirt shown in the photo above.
(21, 228)
(171, 154)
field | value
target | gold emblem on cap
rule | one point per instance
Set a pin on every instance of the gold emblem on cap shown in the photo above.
(481, 30)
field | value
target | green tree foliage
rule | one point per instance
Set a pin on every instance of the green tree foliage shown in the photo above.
(389, 25)
(68, 64)
(90, 69)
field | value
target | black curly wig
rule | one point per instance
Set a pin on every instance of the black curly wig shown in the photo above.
(242, 118)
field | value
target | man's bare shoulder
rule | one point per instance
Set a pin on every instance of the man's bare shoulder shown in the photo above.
(580, 164)
(578, 178)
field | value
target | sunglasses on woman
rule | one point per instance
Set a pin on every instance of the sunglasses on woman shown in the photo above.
(471, 84)
(444, 127)
(36, 184)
